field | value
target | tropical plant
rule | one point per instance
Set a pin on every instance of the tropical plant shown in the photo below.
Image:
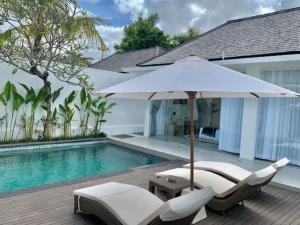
(4, 98)
(2, 121)
(55, 122)
(12, 101)
(17, 102)
(66, 111)
(84, 110)
(48, 38)
(100, 109)
(34, 100)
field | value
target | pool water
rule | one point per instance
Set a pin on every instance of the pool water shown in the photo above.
(35, 167)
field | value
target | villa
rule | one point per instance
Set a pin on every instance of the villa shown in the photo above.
(266, 47)
(253, 140)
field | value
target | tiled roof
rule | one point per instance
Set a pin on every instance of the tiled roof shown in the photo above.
(264, 35)
(118, 61)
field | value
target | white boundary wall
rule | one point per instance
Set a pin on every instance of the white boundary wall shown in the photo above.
(126, 117)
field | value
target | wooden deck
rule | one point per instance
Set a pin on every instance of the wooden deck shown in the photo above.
(55, 205)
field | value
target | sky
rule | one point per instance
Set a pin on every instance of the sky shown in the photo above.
(176, 16)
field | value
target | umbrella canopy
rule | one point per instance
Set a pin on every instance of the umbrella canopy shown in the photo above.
(194, 74)
(194, 78)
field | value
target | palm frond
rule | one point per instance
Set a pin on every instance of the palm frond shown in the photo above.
(86, 26)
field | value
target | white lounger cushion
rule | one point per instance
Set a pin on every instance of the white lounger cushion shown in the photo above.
(221, 186)
(132, 205)
(261, 176)
(280, 163)
(185, 205)
(232, 171)
(202, 178)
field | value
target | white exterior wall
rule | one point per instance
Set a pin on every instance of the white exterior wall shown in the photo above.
(126, 117)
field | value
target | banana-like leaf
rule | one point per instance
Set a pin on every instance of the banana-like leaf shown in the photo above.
(2, 99)
(27, 89)
(54, 114)
(82, 96)
(89, 101)
(30, 93)
(62, 108)
(41, 96)
(18, 99)
(71, 97)
(97, 113)
(56, 94)
(111, 105)
(7, 91)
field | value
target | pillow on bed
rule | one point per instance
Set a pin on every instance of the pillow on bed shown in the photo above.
(185, 205)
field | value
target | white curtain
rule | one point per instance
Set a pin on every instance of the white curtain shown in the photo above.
(155, 105)
(278, 120)
(161, 118)
(230, 124)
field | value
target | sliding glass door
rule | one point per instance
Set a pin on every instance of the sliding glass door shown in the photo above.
(279, 120)
(170, 121)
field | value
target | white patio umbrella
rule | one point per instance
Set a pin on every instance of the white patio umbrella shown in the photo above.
(192, 78)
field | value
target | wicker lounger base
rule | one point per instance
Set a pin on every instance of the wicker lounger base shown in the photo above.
(245, 191)
(222, 204)
(89, 206)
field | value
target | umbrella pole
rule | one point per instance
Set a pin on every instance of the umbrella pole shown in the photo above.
(192, 96)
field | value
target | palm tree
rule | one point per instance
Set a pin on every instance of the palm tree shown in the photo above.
(48, 38)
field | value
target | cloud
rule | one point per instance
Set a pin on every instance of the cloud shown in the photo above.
(133, 7)
(264, 10)
(177, 16)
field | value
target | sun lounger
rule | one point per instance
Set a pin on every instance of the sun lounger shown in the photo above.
(227, 192)
(124, 204)
(231, 171)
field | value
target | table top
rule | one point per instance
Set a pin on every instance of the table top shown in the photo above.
(179, 184)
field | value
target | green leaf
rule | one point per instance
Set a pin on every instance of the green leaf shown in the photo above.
(2, 99)
(7, 90)
(41, 97)
(44, 107)
(54, 114)
(95, 112)
(71, 97)
(111, 105)
(77, 107)
(25, 87)
(18, 99)
(82, 96)
(62, 108)
(56, 94)
(30, 93)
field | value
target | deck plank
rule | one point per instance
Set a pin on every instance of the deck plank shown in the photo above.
(274, 205)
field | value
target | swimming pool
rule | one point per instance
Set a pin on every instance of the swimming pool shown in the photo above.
(35, 167)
